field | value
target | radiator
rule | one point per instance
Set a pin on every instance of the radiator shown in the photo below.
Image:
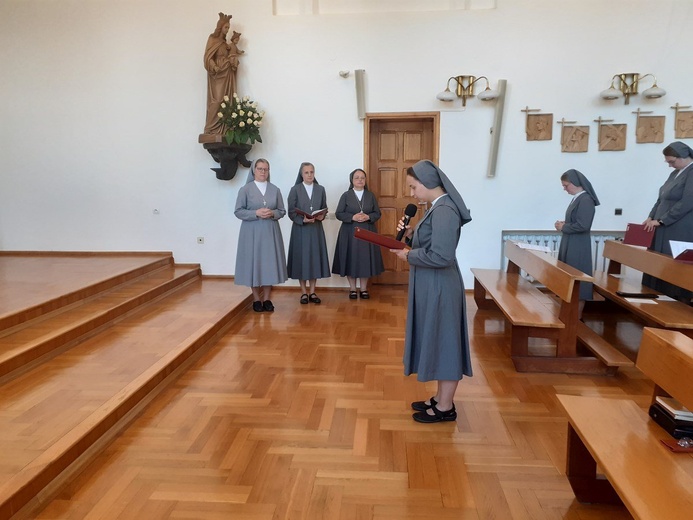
(552, 240)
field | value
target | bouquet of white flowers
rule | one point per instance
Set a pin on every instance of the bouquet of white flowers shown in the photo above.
(241, 118)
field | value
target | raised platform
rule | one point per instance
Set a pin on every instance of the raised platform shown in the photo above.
(86, 339)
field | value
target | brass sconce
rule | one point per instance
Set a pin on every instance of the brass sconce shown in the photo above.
(627, 85)
(465, 88)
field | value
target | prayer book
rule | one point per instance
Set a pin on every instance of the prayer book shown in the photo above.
(314, 214)
(379, 240)
(637, 236)
(682, 251)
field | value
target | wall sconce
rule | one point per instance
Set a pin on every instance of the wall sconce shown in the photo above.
(465, 89)
(628, 86)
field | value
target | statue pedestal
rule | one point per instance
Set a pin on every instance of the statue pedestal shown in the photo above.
(227, 155)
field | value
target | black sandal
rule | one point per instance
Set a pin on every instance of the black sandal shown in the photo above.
(365, 295)
(304, 299)
(422, 406)
(353, 295)
(314, 298)
(438, 416)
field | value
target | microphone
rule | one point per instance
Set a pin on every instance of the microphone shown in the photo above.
(409, 212)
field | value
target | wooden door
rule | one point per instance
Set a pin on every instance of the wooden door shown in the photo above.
(394, 143)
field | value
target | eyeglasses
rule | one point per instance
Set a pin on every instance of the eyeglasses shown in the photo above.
(257, 169)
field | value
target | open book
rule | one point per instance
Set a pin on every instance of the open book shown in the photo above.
(314, 214)
(682, 251)
(533, 247)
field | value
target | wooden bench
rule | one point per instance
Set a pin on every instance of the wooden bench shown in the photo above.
(618, 437)
(661, 312)
(533, 313)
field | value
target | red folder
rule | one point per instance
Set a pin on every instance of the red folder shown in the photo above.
(379, 240)
(637, 236)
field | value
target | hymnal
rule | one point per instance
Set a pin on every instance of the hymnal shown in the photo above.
(314, 214)
(682, 251)
(676, 409)
(637, 236)
(379, 240)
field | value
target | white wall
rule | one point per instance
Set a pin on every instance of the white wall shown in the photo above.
(102, 103)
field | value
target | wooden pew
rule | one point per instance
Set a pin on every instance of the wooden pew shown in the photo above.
(619, 438)
(660, 312)
(532, 313)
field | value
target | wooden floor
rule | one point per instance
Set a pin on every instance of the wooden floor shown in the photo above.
(302, 413)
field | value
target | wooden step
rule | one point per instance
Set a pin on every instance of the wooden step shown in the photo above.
(601, 348)
(29, 342)
(76, 397)
(60, 279)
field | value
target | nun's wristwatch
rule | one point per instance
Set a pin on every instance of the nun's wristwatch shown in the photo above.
(660, 222)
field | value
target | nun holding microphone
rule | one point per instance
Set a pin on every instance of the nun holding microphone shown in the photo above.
(436, 345)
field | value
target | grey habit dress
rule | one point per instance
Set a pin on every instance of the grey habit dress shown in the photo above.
(674, 207)
(576, 244)
(260, 259)
(436, 346)
(354, 257)
(308, 257)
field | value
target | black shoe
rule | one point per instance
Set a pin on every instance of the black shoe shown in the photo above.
(421, 406)
(438, 416)
(304, 299)
(353, 295)
(314, 298)
(257, 306)
(267, 305)
(365, 295)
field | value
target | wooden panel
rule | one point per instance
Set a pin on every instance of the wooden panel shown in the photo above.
(388, 222)
(664, 313)
(557, 276)
(666, 357)
(650, 262)
(413, 146)
(387, 182)
(388, 146)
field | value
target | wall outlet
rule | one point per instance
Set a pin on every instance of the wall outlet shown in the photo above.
(200, 240)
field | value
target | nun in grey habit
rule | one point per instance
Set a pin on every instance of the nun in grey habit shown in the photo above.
(260, 258)
(436, 345)
(308, 259)
(576, 244)
(672, 215)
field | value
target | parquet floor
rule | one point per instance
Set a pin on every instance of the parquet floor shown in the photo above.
(304, 414)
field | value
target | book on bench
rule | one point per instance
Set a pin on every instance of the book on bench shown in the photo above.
(314, 214)
(675, 428)
(674, 408)
(626, 294)
(637, 236)
(379, 240)
(682, 251)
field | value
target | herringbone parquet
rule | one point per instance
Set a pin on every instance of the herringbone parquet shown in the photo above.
(304, 413)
